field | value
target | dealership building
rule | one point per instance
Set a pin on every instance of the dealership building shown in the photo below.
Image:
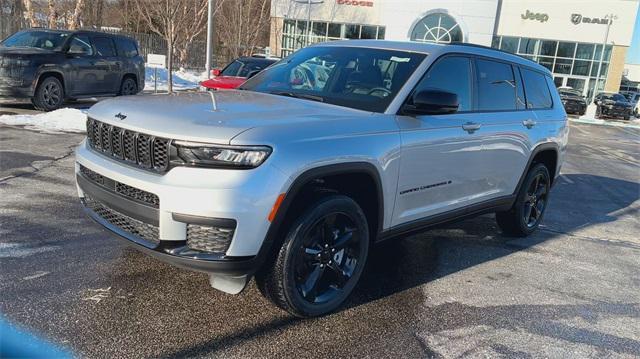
(565, 36)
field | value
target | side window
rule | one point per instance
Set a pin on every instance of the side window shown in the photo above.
(451, 74)
(80, 45)
(536, 89)
(126, 48)
(496, 86)
(104, 46)
(521, 103)
(232, 69)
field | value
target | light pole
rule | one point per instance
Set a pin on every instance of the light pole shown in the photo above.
(610, 18)
(308, 27)
(209, 37)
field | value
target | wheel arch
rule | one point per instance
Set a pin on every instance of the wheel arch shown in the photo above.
(48, 73)
(547, 153)
(311, 178)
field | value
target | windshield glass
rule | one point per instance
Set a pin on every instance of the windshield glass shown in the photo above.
(361, 78)
(244, 68)
(615, 97)
(36, 39)
(568, 92)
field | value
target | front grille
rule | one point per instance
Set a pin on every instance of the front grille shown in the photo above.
(142, 150)
(121, 188)
(130, 225)
(209, 239)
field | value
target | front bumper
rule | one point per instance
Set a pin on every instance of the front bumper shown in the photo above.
(615, 111)
(186, 195)
(574, 107)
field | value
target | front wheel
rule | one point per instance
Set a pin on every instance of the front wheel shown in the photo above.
(321, 259)
(128, 87)
(526, 214)
(49, 95)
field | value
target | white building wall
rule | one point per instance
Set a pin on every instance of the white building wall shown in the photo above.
(476, 17)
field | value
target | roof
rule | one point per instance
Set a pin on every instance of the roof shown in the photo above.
(80, 31)
(438, 49)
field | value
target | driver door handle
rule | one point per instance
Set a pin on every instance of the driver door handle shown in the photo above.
(529, 123)
(471, 127)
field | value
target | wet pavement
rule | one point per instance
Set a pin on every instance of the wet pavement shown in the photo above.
(570, 290)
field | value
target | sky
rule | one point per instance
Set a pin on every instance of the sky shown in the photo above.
(633, 55)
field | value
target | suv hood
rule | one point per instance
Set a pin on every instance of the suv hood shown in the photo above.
(191, 116)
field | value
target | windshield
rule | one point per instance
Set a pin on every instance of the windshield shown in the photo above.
(570, 92)
(614, 97)
(36, 39)
(361, 78)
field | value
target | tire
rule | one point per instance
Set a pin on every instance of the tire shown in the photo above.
(49, 95)
(128, 87)
(528, 210)
(325, 248)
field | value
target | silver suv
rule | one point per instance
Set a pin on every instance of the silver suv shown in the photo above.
(295, 175)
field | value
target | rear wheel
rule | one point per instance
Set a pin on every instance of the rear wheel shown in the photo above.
(526, 214)
(128, 87)
(49, 95)
(321, 260)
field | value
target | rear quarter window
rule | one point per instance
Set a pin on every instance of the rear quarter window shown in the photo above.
(536, 90)
(127, 48)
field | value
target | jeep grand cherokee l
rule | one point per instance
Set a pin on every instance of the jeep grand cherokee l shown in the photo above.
(49, 66)
(292, 177)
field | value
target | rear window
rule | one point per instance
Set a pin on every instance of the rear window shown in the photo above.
(496, 86)
(126, 48)
(536, 90)
(104, 46)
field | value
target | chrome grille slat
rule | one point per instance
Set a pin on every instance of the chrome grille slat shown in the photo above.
(139, 149)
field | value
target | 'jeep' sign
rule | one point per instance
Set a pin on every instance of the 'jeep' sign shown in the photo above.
(579, 19)
(535, 16)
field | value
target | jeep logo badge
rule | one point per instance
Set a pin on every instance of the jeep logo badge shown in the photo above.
(120, 116)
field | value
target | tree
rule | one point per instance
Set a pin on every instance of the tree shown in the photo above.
(177, 21)
(53, 14)
(243, 25)
(30, 13)
(77, 14)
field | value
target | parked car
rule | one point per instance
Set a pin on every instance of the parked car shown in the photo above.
(51, 66)
(612, 105)
(573, 101)
(292, 180)
(237, 72)
(636, 109)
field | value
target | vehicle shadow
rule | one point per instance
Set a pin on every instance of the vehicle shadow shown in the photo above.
(398, 266)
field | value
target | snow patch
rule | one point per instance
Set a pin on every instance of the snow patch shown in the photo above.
(182, 79)
(63, 120)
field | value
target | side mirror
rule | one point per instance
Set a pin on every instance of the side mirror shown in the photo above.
(253, 73)
(216, 72)
(433, 102)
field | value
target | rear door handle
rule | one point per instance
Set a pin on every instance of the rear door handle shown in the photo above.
(529, 123)
(471, 127)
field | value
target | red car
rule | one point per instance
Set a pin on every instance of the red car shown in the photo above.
(237, 72)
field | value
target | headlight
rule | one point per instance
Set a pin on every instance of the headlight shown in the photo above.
(11, 62)
(220, 156)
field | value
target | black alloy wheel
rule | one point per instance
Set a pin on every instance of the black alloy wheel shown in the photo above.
(128, 87)
(327, 258)
(320, 262)
(535, 200)
(49, 95)
(531, 202)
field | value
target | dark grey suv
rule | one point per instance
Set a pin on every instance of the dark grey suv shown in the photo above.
(51, 66)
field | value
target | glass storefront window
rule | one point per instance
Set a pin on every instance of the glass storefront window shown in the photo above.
(335, 30)
(603, 70)
(607, 53)
(562, 66)
(585, 51)
(581, 68)
(546, 62)
(495, 43)
(509, 44)
(381, 33)
(368, 32)
(548, 48)
(566, 49)
(352, 31)
(319, 29)
(528, 46)
(437, 27)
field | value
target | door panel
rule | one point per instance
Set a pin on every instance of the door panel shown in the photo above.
(440, 167)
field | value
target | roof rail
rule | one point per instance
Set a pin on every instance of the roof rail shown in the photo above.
(491, 48)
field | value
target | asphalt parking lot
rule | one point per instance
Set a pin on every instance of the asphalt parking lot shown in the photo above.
(570, 290)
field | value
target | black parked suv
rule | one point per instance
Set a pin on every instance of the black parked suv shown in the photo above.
(573, 101)
(51, 66)
(612, 105)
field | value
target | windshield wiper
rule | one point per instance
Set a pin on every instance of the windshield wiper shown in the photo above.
(298, 95)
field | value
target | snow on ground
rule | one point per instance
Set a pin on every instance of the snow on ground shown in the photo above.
(182, 79)
(63, 120)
